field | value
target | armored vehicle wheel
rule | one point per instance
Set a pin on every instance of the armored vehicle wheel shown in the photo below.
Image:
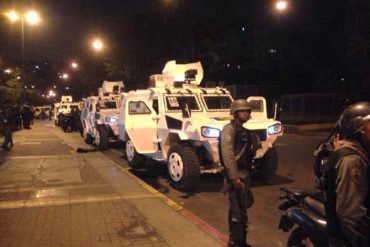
(87, 137)
(135, 160)
(183, 166)
(268, 165)
(101, 138)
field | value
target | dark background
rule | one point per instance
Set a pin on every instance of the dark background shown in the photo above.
(313, 47)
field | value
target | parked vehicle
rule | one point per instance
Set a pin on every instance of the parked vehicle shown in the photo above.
(177, 122)
(63, 107)
(304, 218)
(99, 115)
(42, 112)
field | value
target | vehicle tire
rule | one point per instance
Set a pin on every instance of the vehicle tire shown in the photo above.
(183, 165)
(268, 165)
(101, 138)
(298, 238)
(135, 160)
(88, 138)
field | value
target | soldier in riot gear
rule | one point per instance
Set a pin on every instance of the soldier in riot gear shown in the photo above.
(347, 180)
(236, 155)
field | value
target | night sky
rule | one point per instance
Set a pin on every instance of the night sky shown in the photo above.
(309, 42)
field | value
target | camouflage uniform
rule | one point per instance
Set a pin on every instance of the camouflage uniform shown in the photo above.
(236, 156)
(353, 195)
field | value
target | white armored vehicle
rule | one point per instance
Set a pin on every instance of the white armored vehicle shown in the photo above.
(178, 122)
(63, 107)
(99, 115)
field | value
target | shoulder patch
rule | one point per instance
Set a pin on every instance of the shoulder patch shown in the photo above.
(356, 173)
(228, 138)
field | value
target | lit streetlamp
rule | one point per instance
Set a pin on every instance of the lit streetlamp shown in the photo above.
(31, 17)
(74, 65)
(65, 76)
(281, 5)
(8, 71)
(97, 45)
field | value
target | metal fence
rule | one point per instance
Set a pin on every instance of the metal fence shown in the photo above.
(312, 108)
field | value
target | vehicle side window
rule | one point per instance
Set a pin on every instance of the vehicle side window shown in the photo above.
(138, 107)
(155, 106)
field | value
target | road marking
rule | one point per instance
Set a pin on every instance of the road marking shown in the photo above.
(36, 157)
(67, 201)
(30, 143)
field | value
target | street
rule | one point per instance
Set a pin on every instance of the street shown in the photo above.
(295, 171)
(43, 179)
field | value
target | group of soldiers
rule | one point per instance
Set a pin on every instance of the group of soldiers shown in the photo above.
(347, 182)
(14, 118)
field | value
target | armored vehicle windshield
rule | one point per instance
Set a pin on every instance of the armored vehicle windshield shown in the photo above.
(175, 102)
(217, 102)
(108, 104)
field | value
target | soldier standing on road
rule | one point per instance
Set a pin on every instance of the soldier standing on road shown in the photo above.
(236, 155)
(347, 180)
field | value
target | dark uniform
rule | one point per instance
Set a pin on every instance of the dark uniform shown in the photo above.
(347, 182)
(236, 155)
(7, 124)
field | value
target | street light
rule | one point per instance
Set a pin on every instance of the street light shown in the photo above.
(65, 76)
(31, 17)
(74, 65)
(8, 71)
(281, 5)
(12, 16)
(97, 45)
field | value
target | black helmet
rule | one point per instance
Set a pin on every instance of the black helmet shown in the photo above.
(353, 118)
(239, 105)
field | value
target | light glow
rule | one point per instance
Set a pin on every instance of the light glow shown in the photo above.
(32, 17)
(275, 129)
(210, 132)
(12, 16)
(74, 65)
(97, 45)
(281, 5)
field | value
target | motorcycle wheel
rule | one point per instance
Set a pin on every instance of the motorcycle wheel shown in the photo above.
(298, 238)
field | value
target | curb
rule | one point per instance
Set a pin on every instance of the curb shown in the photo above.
(291, 129)
(213, 232)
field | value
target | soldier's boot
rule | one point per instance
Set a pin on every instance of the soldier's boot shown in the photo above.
(237, 235)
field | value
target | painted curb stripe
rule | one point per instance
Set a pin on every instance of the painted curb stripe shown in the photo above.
(213, 232)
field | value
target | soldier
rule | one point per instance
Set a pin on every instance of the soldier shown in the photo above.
(7, 123)
(236, 156)
(27, 117)
(347, 180)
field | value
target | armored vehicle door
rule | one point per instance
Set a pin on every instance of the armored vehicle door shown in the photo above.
(91, 116)
(141, 125)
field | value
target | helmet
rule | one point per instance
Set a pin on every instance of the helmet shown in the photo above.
(239, 105)
(353, 118)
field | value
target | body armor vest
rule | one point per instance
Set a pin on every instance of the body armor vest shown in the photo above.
(243, 140)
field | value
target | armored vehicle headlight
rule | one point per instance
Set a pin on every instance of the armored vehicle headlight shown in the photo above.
(275, 129)
(210, 132)
(111, 120)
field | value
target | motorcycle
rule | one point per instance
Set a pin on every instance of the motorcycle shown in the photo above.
(305, 210)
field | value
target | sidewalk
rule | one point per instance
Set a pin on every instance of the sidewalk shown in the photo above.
(52, 196)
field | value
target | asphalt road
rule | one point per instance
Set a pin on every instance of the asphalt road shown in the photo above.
(295, 171)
